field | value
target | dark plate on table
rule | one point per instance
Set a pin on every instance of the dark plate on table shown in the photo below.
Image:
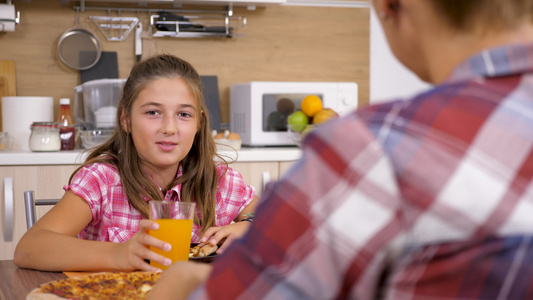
(206, 259)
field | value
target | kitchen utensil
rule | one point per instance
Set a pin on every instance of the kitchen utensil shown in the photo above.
(173, 22)
(78, 48)
(138, 41)
(106, 67)
(148, 42)
(115, 28)
(100, 102)
(7, 81)
(212, 99)
(93, 138)
(228, 145)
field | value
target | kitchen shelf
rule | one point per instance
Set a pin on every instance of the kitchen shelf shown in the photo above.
(250, 4)
(180, 23)
(206, 25)
(193, 23)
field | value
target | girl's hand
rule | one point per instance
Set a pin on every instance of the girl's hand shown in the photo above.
(131, 254)
(226, 233)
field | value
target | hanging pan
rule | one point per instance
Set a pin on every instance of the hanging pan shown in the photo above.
(78, 48)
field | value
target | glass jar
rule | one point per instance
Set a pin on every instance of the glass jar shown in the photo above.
(45, 136)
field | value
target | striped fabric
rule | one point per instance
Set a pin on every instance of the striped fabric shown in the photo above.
(115, 220)
(426, 198)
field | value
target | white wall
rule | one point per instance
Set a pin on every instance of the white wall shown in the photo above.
(388, 77)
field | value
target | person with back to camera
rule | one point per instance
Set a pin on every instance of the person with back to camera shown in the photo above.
(421, 198)
(162, 149)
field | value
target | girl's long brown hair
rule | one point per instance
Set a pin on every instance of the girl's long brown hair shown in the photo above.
(199, 180)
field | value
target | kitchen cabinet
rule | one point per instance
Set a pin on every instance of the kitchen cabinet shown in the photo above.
(46, 180)
(284, 166)
(257, 174)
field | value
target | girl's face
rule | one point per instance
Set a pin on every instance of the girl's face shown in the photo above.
(163, 124)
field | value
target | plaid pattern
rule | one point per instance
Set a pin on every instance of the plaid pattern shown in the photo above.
(115, 220)
(403, 200)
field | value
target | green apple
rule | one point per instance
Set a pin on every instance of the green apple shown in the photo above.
(297, 121)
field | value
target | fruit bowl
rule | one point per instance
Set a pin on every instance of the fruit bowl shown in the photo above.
(93, 138)
(228, 145)
(294, 136)
(298, 136)
(227, 141)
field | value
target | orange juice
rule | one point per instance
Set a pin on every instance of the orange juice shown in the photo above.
(178, 234)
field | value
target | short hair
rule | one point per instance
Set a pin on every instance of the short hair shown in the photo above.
(466, 14)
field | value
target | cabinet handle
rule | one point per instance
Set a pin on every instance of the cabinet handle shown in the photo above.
(8, 209)
(266, 179)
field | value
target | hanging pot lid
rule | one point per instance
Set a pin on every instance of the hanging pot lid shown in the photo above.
(79, 49)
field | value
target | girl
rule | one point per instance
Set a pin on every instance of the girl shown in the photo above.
(161, 149)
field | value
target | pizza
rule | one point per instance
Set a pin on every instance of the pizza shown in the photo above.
(202, 251)
(107, 285)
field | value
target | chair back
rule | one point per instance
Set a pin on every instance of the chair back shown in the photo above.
(29, 204)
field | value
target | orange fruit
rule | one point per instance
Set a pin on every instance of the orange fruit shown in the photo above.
(311, 105)
(324, 115)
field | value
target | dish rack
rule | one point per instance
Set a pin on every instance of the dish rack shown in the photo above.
(198, 25)
(115, 28)
(167, 22)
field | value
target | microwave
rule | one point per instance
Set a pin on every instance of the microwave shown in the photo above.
(252, 103)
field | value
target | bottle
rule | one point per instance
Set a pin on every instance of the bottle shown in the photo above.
(66, 125)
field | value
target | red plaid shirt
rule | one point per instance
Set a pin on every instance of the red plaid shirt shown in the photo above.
(428, 198)
(115, 220)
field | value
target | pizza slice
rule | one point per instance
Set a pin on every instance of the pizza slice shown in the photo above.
(202, 251)
(135, 285)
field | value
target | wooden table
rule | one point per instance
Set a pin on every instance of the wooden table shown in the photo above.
(16, 283)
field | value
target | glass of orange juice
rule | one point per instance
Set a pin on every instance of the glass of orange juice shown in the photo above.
(175, 227)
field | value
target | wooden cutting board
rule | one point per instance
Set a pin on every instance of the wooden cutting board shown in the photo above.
(7, 82)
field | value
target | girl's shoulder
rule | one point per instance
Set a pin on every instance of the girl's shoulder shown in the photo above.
(227, 174)
(105, 171)
(223, 168)
(102, 167)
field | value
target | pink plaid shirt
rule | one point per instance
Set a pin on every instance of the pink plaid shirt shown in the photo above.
(115, 220)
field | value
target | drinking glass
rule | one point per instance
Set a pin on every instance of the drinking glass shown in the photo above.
(4, 140)
(175, 227)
